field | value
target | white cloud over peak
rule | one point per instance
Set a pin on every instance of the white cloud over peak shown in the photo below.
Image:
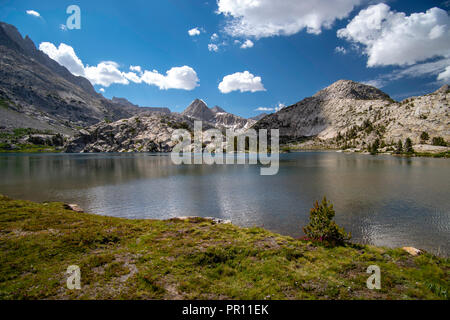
(194, 32)
(247, 44)
(176, 78)
(33, 13)
(280, 106)
(241, 81)
(267, 18)
(108, 72)
(65, 56)
(393, 38)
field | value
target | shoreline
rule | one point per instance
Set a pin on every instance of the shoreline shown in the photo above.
(445, 154)
(193, 258)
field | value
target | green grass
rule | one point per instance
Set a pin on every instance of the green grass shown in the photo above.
(433, 155)
(22, 132)
(193, 259)
(8, 138)
(28, 148)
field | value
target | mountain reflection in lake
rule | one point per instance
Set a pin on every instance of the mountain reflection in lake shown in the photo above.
(382, 200)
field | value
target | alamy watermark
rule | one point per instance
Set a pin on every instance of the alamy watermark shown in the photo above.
(74, 278)
(74, 20)
(374, 281)
(210, 147)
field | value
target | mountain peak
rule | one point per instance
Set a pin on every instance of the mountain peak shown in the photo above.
(199, 101)
(347, 89)
(199, 110)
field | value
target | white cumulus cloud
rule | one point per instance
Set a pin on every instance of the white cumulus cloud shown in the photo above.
(194, 32)
(247, 44)
(33, 13)
(241, 81)
(105, 74)
(132, 76)
(65, 56)
(266, 18)
(393, 38)
(176, 78)
(108, 72)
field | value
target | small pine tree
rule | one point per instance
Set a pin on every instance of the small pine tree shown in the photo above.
(438, 141)
(373, 148)
(399, 147)
(408, 146)
(424, 137)
(321, 226)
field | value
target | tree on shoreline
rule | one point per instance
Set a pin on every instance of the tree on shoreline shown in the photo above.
(439, 141)
(399, 147)
(408, 146)
(424, 137)
(321, 226)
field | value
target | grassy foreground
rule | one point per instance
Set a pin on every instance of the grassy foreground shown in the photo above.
(193, 259)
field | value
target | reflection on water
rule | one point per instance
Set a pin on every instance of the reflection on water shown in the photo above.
(382, 200)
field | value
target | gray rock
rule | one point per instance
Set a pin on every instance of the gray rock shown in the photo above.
(147, 133)
(73, 207)
(346, 104)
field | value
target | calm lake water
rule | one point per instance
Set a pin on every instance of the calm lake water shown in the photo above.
(382, 200)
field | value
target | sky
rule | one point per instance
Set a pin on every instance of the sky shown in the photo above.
(247, 56)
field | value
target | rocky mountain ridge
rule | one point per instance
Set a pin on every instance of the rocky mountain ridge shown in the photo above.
(345, 115)
(139, 109)
(217, 116)
(355, 115)
(37, 92)
(152, 131)
(149, 132)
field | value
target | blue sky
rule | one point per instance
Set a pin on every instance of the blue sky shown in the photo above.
(289, 60)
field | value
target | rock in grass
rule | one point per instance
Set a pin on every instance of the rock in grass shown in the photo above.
(73, 207)
(413, 251)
